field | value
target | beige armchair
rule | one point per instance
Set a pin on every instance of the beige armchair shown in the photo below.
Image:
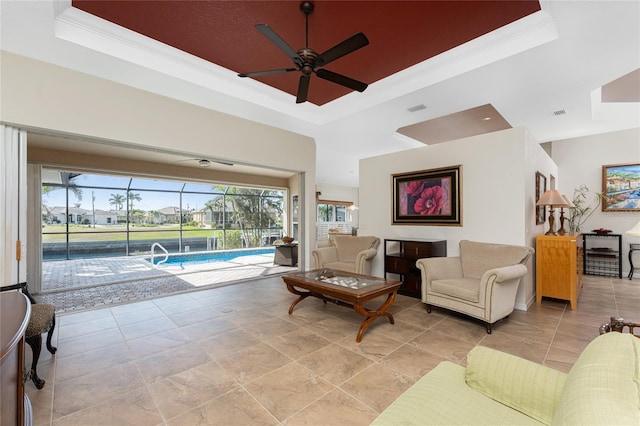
(482, 282)
(348, 253)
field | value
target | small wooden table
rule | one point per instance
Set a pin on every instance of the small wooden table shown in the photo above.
(344, 289)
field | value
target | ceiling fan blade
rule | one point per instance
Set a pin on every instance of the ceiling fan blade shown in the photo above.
(269, 33)
(339, 50)
(342, 80)
(303, 88)
(268, 72)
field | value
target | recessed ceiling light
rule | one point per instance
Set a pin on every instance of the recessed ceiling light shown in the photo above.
(486, 119)
(204, 163)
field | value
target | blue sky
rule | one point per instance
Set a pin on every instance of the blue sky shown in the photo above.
(149, 200)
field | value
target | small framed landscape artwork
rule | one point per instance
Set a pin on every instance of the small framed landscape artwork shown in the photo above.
(428, 197)
(621, 187)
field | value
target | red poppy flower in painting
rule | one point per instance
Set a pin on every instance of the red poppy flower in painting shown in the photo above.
(415, 187)
(430, 201)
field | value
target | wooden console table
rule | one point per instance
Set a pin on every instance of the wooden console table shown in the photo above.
(400, 259)
(15, 311)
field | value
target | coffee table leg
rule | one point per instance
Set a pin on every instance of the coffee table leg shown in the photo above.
(372, 315)
(302, 295)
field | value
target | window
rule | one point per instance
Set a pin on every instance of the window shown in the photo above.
(333, 211)
(92, 215)
(333, 216)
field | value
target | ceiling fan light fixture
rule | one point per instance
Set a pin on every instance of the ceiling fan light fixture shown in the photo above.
(307, 61)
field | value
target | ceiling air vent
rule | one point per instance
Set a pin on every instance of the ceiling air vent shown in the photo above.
(416, 108)
(559, 112)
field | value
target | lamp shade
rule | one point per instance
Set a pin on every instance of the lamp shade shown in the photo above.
(635, 231)
(552, 198)
(570, 204)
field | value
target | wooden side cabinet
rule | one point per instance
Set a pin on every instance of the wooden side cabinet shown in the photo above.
(400, 259)
(15, 407)
(559, 268)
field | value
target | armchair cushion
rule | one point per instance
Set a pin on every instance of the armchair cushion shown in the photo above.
(349, 247)
(461, 288)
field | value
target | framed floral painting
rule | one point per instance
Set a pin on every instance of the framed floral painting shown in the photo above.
(428, 197)
(621, 187)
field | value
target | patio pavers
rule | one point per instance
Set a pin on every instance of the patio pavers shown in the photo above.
(82, 284)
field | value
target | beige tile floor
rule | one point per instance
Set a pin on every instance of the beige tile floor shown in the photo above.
(233, 356)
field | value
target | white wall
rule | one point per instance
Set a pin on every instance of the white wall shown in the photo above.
(498, 194)
(580, 161)
(41, 96)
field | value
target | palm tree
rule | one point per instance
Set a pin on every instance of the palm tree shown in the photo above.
(117, 200)
(131, 197)
(214, 205)
(66, 181)
(137, 215)
(254, 210)
(154, 214)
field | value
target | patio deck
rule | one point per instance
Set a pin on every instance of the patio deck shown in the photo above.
(82, 284)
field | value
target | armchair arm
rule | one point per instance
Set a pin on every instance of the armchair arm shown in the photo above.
(505, 273)
(361, 260)
(324, 255)
(498, 287)
(523, 385)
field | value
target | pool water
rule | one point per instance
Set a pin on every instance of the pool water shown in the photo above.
(208, 257)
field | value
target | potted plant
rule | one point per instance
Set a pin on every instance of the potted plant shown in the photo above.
(287, 240)
(586, 202)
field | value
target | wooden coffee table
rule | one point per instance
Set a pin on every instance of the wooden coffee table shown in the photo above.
(344, 289)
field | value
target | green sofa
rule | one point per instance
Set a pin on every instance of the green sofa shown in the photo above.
(496, 388)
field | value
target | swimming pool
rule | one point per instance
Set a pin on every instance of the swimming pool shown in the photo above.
(208, 257)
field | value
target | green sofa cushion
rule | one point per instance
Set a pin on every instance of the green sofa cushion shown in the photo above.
(441, 397)
(602, 387)
(530, 388)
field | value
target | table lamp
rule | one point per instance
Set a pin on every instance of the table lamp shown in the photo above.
(570, 205)
(635, 231)
(552, 198)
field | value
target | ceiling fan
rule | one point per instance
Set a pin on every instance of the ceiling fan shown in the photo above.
(308, 61)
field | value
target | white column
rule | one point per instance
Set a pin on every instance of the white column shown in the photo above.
(13, 205)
